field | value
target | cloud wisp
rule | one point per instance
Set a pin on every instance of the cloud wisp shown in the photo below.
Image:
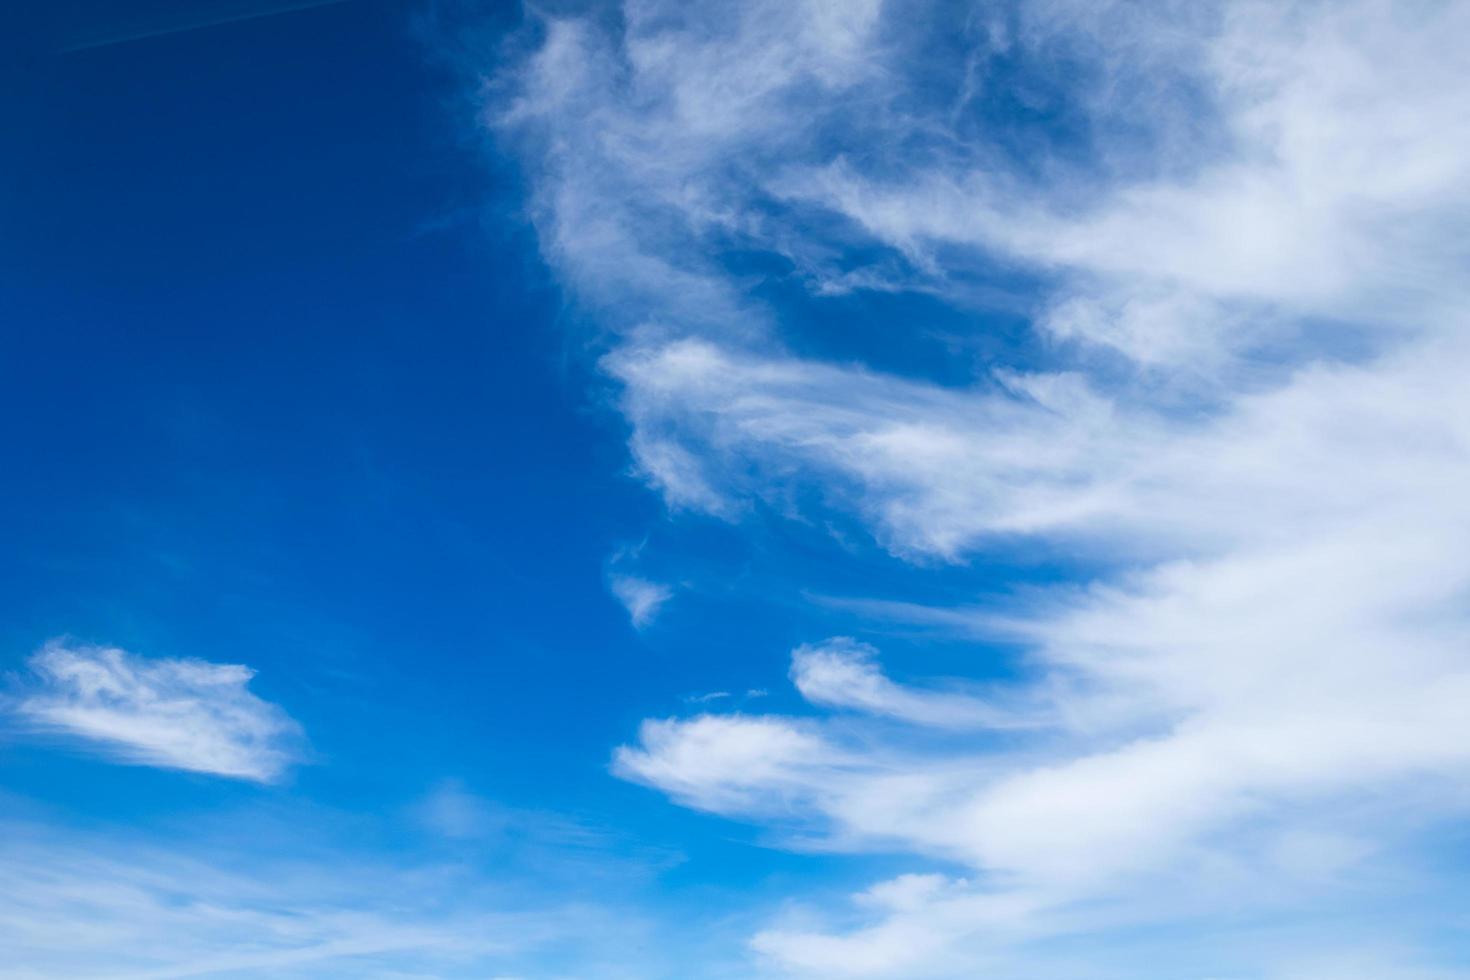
(844, 673)
(173, 714)
(640, 597)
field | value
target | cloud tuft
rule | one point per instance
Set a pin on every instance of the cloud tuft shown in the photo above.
(174, 714)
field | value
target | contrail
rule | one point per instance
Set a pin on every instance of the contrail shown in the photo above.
(193, 18)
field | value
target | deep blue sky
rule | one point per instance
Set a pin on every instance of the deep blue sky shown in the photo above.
(282, 382)
(286, 384)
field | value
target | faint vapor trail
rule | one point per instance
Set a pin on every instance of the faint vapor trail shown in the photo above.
(192, 18)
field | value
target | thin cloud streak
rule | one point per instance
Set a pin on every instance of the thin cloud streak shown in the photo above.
(191, 17)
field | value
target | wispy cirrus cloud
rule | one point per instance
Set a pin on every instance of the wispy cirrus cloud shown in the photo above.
(1235, 230)
(171, 713)
(1066, 835)
(844, 673)
(282, 895)
(642, 598)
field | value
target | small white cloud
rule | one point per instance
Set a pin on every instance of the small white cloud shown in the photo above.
(640, 597)
(728, 763)
(175, 714)
(843, 673)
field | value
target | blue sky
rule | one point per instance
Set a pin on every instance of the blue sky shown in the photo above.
(665, 490)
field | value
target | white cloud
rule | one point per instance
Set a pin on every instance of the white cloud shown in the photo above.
(642, 598)
(1249, 405)
(843, 673)
(728, 763)
(1311, 649)
(935, 469)
(1341, 162)
(175, 714)
(1157, 827)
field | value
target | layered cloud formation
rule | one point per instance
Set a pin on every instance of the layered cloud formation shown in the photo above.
(303, 892)
(1236, 233)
